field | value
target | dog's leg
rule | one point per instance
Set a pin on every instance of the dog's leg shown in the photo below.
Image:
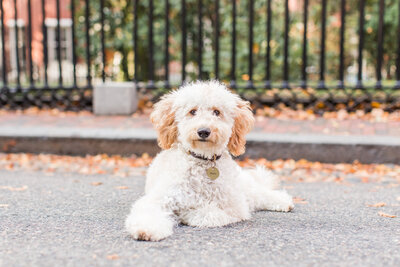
(211, 216)
(149, 221)
(274, 200)
(262, 191)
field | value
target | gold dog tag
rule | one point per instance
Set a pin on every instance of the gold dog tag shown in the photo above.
(212, 173)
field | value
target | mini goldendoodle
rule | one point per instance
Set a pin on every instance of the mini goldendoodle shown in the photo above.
(194, 180)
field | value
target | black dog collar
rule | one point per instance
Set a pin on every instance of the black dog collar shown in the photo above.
(214, 158)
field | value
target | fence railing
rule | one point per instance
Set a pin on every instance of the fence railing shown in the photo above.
(319, 54)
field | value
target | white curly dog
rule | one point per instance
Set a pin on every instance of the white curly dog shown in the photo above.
(194, 180)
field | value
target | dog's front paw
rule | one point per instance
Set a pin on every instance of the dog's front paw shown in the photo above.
(148, 230)
(148, 235)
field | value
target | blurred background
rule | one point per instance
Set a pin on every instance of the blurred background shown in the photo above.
(331, 54)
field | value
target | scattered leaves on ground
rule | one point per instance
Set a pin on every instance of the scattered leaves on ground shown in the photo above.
(122, 187)
(113, 257)
(288, 169)
(307, 171)
(281, 112)
(386, 215)
(284, 113)
(10, 188)
(377, 205)
(51, 112)
(299, 200)
(96, 183)
(98, 164)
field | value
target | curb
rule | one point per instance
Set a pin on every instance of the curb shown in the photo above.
(322, 148)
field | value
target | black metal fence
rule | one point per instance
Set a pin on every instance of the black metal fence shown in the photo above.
(54, 58)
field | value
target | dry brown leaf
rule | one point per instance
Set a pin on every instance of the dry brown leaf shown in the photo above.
(122, 187)
(23, 188)
(386, 215)
(377, 205)
(96, 183)
(113, 257)
(299, 200)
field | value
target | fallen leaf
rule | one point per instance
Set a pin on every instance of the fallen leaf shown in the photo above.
(386, 215)
(377, 205)
(113, 257)
(96, 183)
(8, 145)
(23, 188)
(122, 187)
(299, 200)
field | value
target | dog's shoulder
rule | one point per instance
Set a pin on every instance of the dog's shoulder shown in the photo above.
(169, 164)
(168, 157)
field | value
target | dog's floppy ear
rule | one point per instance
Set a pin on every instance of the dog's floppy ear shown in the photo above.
(163, 119)
(244, 122)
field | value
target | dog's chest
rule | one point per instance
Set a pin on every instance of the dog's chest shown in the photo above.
(197, 189)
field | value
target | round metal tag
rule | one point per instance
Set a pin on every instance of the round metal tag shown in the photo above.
(212, 173)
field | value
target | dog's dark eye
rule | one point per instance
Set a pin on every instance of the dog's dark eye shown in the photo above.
(193, 112)
(216, 112)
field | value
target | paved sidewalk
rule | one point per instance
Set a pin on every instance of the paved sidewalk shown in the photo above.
(272, 138)
(77, 220)
(263, 125)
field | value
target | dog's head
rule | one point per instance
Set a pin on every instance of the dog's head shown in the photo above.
(205, 117)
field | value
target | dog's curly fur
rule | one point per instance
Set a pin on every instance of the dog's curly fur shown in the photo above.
(178, 189)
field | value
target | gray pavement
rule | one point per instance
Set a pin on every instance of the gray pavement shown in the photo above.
(65, 220)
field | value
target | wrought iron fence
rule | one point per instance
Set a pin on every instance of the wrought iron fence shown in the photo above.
(52, 52)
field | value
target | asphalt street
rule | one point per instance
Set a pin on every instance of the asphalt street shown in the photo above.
(77, 220)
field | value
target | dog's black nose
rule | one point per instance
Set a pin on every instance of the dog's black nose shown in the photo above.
(204, 132)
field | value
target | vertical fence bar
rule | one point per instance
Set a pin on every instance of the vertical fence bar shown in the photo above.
(304, 54)
(16, 44)
(397, 86)
(285, 83)
(267, 84)
(103, 53)
(321, 83)
(359, 84)
(73, 43)
(44, 43)
(166, 57)
(58, 38)
(216, 63)
(150, 84)
(31, 82)
(233, 47)
(3, 48)
(135, 48)
(251, 22)
(183, 23)
(378, 84)
(342, 36)
(87, 26)
(200, 40)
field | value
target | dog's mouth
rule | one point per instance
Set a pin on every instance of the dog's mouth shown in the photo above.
(203, 140)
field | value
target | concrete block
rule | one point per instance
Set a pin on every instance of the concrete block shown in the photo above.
(115, 98)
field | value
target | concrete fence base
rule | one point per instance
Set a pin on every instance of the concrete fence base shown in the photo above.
(115, 98)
